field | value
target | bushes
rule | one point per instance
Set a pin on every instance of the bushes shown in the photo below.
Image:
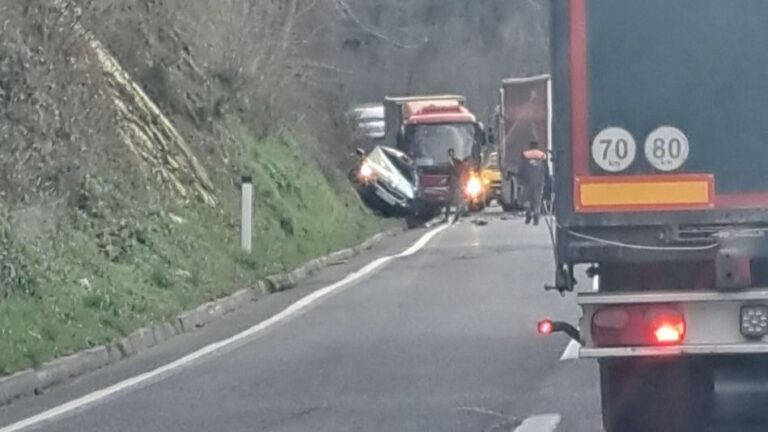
(77, 295)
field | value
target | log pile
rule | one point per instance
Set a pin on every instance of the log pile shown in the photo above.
(143, 127)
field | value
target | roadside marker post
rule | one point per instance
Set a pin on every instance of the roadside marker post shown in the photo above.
(246, 219)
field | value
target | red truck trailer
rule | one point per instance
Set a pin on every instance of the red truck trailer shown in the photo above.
(662, 197)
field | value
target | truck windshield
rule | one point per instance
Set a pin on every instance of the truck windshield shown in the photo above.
(428, 144)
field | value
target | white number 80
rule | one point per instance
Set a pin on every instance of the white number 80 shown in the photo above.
(667, 148)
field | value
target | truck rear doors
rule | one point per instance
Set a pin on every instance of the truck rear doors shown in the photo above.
(660, 112)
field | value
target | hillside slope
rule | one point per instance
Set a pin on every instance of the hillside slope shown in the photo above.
(125, 126)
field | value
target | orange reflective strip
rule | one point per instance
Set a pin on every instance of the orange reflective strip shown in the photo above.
(644, 193)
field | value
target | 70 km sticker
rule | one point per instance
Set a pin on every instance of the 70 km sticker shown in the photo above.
(614, 149)
(667, 148)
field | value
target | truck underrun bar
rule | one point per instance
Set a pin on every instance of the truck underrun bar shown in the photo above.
(681, 350)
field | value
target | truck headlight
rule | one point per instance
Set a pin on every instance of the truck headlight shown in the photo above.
(474, 187)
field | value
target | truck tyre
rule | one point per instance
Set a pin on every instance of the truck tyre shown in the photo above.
(509, 196)
(653, 396)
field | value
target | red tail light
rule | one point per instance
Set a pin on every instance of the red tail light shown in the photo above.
(637, 325)
(669, 330)
(545, 327)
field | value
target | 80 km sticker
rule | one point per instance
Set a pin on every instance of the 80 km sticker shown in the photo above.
(667, 148)
(614, 149)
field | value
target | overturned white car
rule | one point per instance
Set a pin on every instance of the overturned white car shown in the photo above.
(385, 178)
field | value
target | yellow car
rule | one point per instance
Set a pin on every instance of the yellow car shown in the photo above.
(491, 175)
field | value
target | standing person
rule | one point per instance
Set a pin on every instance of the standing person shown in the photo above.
(456, 178)
(533, 176)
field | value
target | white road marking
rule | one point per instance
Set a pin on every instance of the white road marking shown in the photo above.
(164, 371)
(571, 351)
(540, 423)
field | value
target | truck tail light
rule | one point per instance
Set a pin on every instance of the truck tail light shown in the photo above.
(638, 325)
(669, 332)
(545, 327)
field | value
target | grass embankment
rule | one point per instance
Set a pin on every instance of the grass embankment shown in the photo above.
(78, 295)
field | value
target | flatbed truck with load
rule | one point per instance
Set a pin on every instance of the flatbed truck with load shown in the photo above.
(661, 196)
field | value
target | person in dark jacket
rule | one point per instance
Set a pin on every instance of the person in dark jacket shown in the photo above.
(457, 175)
(533, 177)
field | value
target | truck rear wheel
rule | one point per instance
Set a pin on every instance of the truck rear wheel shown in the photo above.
(649, 395)
(508, 195)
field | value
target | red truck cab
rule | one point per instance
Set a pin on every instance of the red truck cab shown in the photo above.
(427, 128)
(428, 135)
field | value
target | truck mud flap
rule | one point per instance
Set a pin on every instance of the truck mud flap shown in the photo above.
(741, 390)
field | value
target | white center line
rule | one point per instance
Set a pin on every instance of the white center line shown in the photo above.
(540, 423)
(165, 371)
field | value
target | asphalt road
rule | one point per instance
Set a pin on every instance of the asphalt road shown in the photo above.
(442, 340)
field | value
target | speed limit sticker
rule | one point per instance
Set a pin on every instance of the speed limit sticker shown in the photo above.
(667, 148)
(614, 149)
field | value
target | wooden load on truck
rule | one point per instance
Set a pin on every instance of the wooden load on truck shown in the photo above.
(662, 196)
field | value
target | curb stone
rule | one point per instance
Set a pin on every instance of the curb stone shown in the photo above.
(242, 297)
(225, 305)
(98, 357)
(142, 339)
(114, 354)
(280, 282)
(59, 370)
(314, 265)
(210, 311)
(32, 381)
(125, 347)
(17, 385)
(299, 274)
(163, 332)
(191, 320)
(263, 288)
(340, 256)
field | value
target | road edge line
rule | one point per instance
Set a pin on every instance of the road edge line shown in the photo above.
(29, 382)
(158, 374)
